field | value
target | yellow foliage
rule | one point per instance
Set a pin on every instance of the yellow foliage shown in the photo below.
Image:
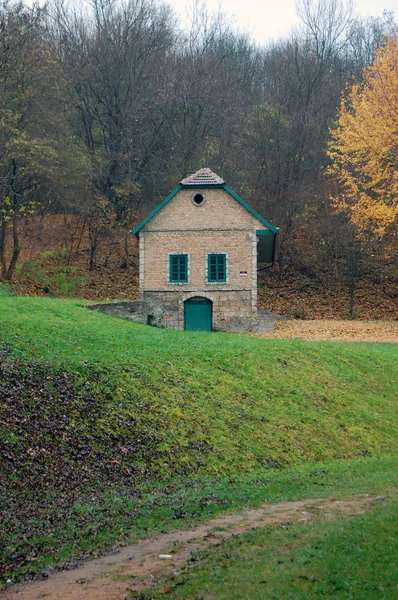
(364, 146)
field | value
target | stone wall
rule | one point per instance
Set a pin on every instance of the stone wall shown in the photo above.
(136, 311)
(232, 310)
(166, 313)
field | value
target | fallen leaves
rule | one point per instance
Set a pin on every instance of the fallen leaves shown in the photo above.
(343, 331)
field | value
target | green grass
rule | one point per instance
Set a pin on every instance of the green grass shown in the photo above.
(110, 429)
(99, 520)
(216, 400)
(350, 558)
(6, 290)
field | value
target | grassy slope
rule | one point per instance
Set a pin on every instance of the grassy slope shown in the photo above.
(112, 403)
(224, 401)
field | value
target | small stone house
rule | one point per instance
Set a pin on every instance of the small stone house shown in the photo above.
(199, 251)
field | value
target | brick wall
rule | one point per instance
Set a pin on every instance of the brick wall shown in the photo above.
(219, 210)
(237, 245)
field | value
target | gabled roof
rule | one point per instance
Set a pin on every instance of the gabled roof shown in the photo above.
(203, 178)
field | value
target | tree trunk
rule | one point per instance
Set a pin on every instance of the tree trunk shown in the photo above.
(40, 227)
(79, 241)
(281, 257)
(93, 250)
(3, 231)
(15, 249)
(66, 230)
(111, 247)
(354, 272)
(352, 295)
(125, 262)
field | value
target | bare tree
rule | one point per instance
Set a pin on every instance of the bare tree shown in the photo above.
(114, 57)
(326, 23)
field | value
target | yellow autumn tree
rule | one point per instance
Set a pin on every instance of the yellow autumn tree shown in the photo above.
(364, 146)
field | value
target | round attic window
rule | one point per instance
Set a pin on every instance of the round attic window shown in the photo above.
(198, 199)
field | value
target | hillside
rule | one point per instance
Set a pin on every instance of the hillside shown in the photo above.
(192, 392)
(92, 405)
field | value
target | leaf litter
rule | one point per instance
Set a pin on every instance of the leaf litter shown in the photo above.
(336, 330)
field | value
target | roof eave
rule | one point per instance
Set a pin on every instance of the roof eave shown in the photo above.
(250, 209)
(155, 211)
(186, 186)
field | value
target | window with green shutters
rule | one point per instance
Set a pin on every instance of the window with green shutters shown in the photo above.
(217, 268)
(178, 268)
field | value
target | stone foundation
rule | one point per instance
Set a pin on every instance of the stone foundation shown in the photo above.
(229, 314)
(233, 310)
(135, 311)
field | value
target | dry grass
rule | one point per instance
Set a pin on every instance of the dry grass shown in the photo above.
(340, 331)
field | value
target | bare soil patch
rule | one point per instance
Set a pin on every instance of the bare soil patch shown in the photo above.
(333, 330)
(138, 566)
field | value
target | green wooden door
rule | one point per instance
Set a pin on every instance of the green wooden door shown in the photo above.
(198, 315)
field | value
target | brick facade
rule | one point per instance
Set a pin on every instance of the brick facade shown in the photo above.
(220, 225)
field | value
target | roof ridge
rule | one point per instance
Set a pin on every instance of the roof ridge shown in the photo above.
(203, 177)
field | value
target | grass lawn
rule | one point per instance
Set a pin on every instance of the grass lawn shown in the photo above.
(344, 559)
(110, 430)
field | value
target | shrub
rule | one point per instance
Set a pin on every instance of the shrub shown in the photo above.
(6, 290)
(57, 280)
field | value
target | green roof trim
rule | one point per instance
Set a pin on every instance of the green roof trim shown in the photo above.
(156, 210)
(271, 228)
(250, 209)
(264, 232)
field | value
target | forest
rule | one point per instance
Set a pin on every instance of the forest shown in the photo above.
(105, 107)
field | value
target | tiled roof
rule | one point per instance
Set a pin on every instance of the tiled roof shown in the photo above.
(203, 177)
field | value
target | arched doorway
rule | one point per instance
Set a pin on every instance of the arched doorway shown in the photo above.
(198, 314)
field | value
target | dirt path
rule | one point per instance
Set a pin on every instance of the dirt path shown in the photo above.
(334, 330)
(137, 566)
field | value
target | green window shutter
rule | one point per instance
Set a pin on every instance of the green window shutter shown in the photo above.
(183, 274)
(216, 268)
(222, 267)
(178, 268)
